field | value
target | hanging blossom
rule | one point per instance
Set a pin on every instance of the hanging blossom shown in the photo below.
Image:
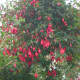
(69, 58)
(62, 50)
(39, 18)
(48, 18)
(36, 75)
(4, 53)
(22, 58)
(14, 31)
(65, 23)
(33, 2)
(14, 65)
(49, 29)
(45, 43)
(52, 73)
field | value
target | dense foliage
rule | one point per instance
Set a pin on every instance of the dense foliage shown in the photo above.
(40, 41)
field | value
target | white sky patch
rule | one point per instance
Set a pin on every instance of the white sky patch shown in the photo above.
(73, 3)
(2, 2)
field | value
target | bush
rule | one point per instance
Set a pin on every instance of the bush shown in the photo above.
(40, 38)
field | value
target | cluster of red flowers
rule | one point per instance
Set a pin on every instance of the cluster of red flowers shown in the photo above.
(69, 58)
(31, 53)
(52, 73)
(45, 43)
(49, 29)
(65, 23)
(34, 2)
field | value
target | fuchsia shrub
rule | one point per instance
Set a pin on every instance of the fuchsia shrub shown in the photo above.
(45, 38)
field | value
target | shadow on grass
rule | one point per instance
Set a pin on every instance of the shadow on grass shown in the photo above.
(5, 74)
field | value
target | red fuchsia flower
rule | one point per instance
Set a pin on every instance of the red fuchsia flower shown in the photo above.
(14, 65)
(4, 53)
(8, 52)
(33, 36)
(25, 55)
(30, 53)
(42, 30)
(31, 46)
(15, 50)
(37, 5)
(65, 23)
(70, 45)
(71, 79)
(62, 50)
(14, 31)
(13, 42)
(39, 51)
(11, 70)
(22, 58)
(34, 2)
(7, 29)
(5, 49)
(42, 41)
(36, 54)
(39, 18)
(34, 48)
(45, 43)
(20, 49)
(32, 58)
(24, 50)
(54, 73)
(20, 55)
(69, 58)
(29, 63)
(27, 31)
(21, 14)
(58, 59)
(24, 0)
(36, 75)
(50, 25)
(59, 4)
(49, 29)
(49, 73)
(51, 53)
(52, 58)
(17, 17)
(62, 19)
(48, 18)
